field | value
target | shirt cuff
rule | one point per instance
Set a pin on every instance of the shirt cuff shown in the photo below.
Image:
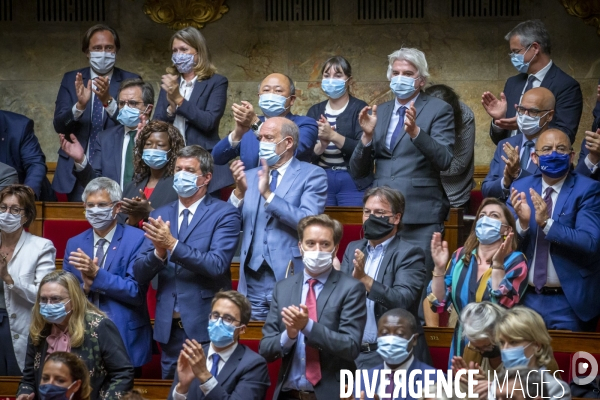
(269, 199)
(591, 166)
(77, 113)
(308, 328)
(415, 138)
(80, 167)
(286, 342)
(235, 201)
(179, 396)
(111, 109)
(520, 230)
(162, 259)
(368, 144)
(174, 246)
(496, 128)
(231, 142)
(209, 385)
(549, 223)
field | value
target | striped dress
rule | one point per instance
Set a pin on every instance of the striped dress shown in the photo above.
(462, 288)
(332, 156)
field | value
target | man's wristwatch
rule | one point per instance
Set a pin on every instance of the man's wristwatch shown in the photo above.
(256, 125)
(110, 100)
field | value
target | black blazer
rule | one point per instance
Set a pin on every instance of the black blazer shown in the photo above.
(162, 194)
(346, 125)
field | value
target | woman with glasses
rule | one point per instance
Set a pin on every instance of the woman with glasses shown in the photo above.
(24, 260)
(154, 166)
(339, 133)
(64, 320)
(487, 268)
(193, 96)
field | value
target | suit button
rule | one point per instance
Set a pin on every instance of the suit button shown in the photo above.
(265, 242)
(173, 294)
(13, 315)
(393, 177)
(16, 336)
(251, 232)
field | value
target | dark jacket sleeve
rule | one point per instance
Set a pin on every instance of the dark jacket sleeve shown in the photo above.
(208, 119)
(569, 106)
(119, 370)
(270, 344)
(28, 381)
(33, 160)
(252, 384)
(63, 115)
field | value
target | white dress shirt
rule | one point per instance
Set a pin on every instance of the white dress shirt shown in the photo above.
(238, 202)
(552, 278)
(403, 367)
(395, 118)
(108, 238)
(209, 385)
(185, 89)
(591, 166)
(374, 258)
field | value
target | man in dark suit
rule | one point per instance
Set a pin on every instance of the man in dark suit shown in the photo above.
(392, 270)
(559, 224)
(223, 369)
(242, 141)
(317, 318)
(114, 148)
(102, 259)
(410, 140)
(512, 158)
(190, 244)
(85, 104)
(273, 198)
(530, 54)
(21, 150)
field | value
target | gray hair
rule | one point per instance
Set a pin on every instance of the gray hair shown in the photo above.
(413, 56)
(531, 31)
(479, 320)
(200, 154)
(147, 89)
(289, 128)
(111, 187)
(291, 82)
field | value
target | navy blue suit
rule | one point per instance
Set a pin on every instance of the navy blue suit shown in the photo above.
(244, 376)
(121, 297)
(248, 147)
(64, 178)
(419, 377)
(574, 241)
(197, 268)
(492, 184)
(581, 167)
(21, 150)
(566, 90)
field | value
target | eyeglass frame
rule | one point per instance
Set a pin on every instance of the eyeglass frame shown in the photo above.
(220, 317)
(550, 151)
(512, 53)
(53, 298)
(11, 208)
(378, 213)
(530, 111)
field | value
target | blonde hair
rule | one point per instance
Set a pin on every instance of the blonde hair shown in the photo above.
(523, 324)
(204, 69)
(40, 329)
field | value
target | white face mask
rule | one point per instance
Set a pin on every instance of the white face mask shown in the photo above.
(317, 262)
(102, 62)
(9, 223)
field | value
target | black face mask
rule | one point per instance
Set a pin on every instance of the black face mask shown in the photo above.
(493, 353)
(377, 227)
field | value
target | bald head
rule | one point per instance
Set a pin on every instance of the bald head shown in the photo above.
(540, 98)
(274, 82)
(554, 137)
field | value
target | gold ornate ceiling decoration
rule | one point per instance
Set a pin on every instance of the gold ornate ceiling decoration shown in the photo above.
(178, 14)
(587, 10)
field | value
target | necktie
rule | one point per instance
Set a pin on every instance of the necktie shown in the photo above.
(526, 154)
(313, 365)
(530, 81)
(390, 387)
(399, 128)
(128, 174)
(273, 184)
(184, 224)
(540, 272)
(97, 125)
(215, 367)
(100, 256)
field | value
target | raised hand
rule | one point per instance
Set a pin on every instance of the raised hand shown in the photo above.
(367, 123)
(295, 317)
(184, 373)
(507, 123)
(540, 207)
(263, 180)
(439, 253)
(194, 353)
(102, 85)
(359, 265)
(159, 233)
(238, 170)
(512, 161)
(496, 108)
(410, 121)
(83, 92)
(137, 208)
(592, 143)
(519, 203)
(170, 84)
(503, 251)
(72, 148)
(326, 133)
(85, 264)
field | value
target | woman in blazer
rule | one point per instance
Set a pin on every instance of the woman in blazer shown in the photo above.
(24, 260)
(193, 96)
(64, 320)
(339, 133)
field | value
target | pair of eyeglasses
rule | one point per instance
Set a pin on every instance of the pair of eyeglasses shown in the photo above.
(14, 210)
(227, 319)
(377, 213)
(130, 103)
(547, 150)
(52, 300)
(532, 112)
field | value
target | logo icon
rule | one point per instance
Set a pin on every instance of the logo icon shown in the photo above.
(584, 368)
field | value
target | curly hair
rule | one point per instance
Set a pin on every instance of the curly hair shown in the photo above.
(78, 371)
(140, 168)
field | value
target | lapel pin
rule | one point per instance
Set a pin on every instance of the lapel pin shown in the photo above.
(114, 248)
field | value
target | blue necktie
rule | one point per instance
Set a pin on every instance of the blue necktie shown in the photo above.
(540, 273)
(184, 224)
(399, 128)
(526, 154)
(215, 367)
(100, 255)
(530, 80)
(273, 184)
(97, 125)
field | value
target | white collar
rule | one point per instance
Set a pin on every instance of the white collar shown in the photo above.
(108, 237)
(284, 167)
(192, 207)
(184, 83)
(94, 75)
(404, 366)
(397, 104)
(223, 354)
(541, 74)
(383, 244)
(557, 186)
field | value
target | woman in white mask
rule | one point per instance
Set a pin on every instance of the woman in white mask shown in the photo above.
(487, 268)
(24, 260)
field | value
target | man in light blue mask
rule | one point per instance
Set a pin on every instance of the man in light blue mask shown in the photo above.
(114, 147)
(530, 54)
(276, 96)
(102, 259)
(189, 246)
(273, 198)
(512, 158)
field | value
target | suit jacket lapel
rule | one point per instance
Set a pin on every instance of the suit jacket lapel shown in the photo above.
(385, 116)
(288, 178)
(389, 252)
(113, 247)
(549, 77)
(326, 291)
(199, 88)
(564, 194)
(198, 215)
(231, 364)
(161, 188)
(174, 219)
(113, 89)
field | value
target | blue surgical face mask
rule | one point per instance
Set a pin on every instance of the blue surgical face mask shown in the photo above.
(220, 335)
(100, 218)
(183, 62)
(185, 185)
(403, 86)
(272, 104)
(487, 230)
(518, 60)
(155, 158)
(555, 165)
(530, 125)
(129, 117)
(515, 357)
(334, 88)
(54, 313)
(393, 349)
(268, 151)
(53, 392)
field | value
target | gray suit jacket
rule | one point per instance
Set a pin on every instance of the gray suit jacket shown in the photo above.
(8, 175)
(398, 284)
(412, 166)
(337, 334)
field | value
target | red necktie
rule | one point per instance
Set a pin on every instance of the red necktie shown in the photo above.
(313, 365)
